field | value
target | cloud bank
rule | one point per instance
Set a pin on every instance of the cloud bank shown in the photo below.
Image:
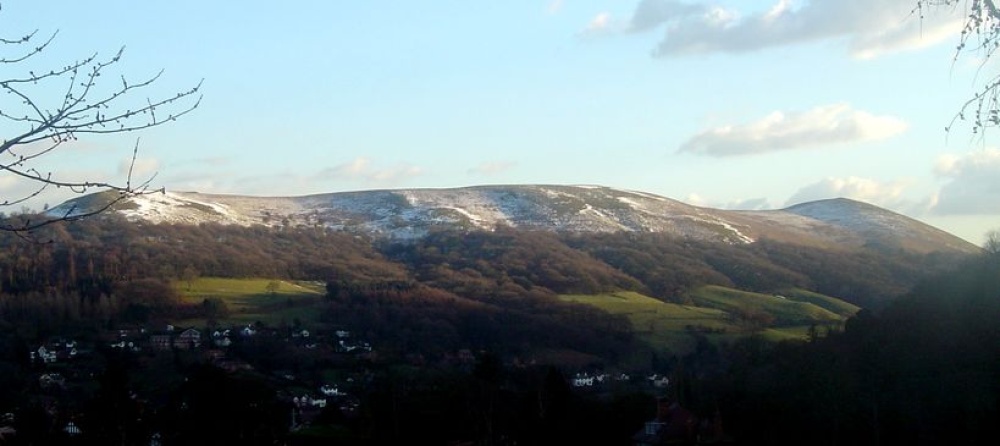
(492, 168)
(361, 169)
(142, 168)
(884, 194)
(749, 204)
(825, 125)
(973, 186)
(870, 27)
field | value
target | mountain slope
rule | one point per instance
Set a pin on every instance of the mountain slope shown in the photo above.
(410, 213)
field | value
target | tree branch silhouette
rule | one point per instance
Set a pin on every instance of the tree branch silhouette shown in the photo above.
(37, 123)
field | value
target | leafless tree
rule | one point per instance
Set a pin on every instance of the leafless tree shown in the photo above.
(981, 37)
(43, 109)
(992, 244)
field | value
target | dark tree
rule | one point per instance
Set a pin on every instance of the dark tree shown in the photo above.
(992, 244)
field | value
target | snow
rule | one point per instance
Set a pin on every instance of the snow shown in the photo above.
(410, 213)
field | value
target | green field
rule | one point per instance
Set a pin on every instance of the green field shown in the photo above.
(667, 325)
(786, 311)
(251, 300)
(832, 304)
(663, 325)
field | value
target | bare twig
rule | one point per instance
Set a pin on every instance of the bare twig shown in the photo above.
(980, 36)
(41, 125)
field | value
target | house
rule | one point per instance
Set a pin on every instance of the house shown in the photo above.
(221, 338)
(184, 340)
(7, 432)
(52, 381)
(675, 425)
(348, 346)
(188, 339)
(71, 429)
(161, 341)
(44, 355)
(125, 345)
(658, 380)
(328, 390)
(56, 350)
(307, 401)
(248, 331)
(583, 380)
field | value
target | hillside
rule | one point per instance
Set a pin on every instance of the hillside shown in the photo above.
(415, 213)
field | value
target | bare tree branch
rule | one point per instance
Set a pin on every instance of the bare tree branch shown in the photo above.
(41, 123)
(981, 37)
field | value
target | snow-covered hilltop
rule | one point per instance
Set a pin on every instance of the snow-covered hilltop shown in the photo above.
(410, 213)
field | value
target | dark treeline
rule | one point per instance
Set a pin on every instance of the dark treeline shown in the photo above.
(667, 266)
(507, 264)
(79, 273)
(432, 322)
(93, 274)
(111, 249)
(923, 370)
(92, 256)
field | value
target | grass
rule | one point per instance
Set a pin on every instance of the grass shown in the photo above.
(251, 300)
(831, 304)
(662, 325)
(667, 326)
(786, 311)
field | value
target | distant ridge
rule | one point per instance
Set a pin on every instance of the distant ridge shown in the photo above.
(413, 213)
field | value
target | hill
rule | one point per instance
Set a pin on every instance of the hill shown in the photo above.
(415, 213)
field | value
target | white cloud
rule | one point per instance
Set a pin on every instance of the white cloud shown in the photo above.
(825, 125)
(17, 192)
(555, 6)
(354, 168)
(696, 200)
(492, 168)
(361, 169)
(393, 174)
(601, 23)
(652, 13)
(973, 186)
(870, 27)
(751, 204)
(142, 169)
(884, 194)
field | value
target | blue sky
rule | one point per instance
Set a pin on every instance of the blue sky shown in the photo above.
(731, 104)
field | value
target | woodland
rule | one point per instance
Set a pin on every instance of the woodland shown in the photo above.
(917, 364)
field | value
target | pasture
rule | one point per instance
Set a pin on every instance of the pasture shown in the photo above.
(250, 300)
(669, 326)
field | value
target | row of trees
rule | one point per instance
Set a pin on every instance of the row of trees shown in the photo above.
(94, 257)
(923, 370)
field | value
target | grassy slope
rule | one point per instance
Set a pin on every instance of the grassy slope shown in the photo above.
(787, 312)
(661, 324)
(248, 300)
(665, 325)
(832, 304)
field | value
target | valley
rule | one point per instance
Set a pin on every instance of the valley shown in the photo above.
(466, 312)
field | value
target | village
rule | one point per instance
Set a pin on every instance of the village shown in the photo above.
(66, 369)
(327, 371)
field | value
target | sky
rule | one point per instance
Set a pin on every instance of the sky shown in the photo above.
(728, 104)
